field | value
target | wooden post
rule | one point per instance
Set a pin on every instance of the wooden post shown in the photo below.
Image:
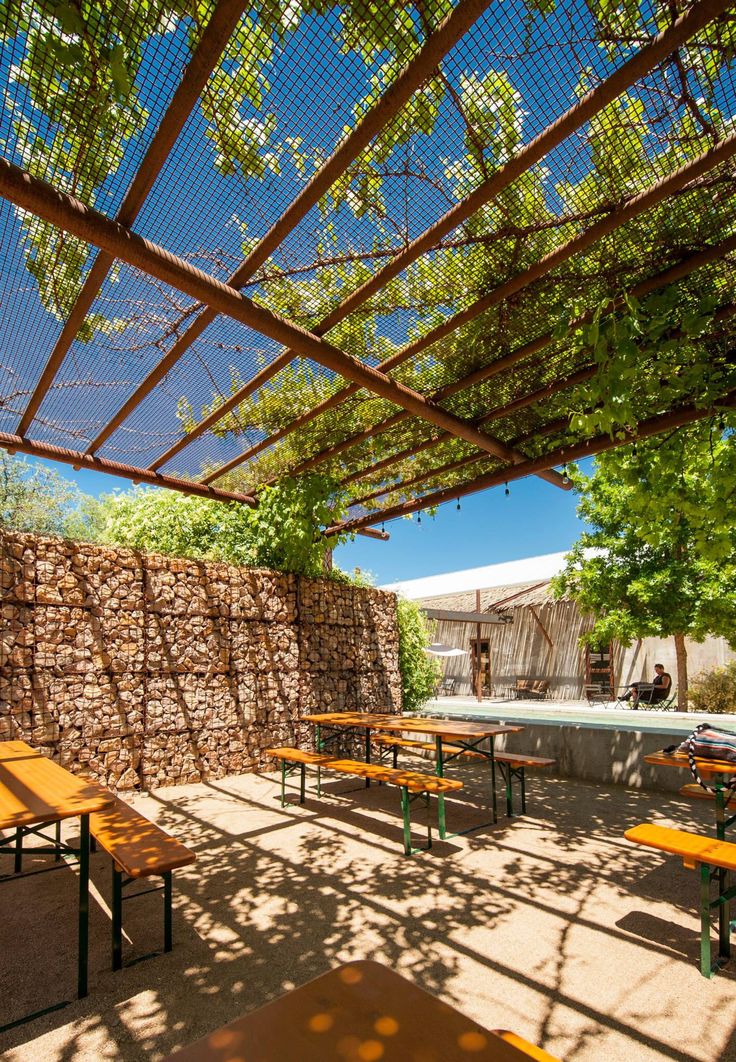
(479, 669)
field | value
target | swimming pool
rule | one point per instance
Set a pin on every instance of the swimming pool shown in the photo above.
(552, 713)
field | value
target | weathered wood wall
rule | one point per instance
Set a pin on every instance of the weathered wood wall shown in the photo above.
(143, 670)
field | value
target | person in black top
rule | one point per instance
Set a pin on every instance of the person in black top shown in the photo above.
(658, 690)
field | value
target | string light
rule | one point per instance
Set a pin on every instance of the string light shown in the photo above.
(383, 528)
(419, 518)
(565, 477)
(507, 491)
(458, 505)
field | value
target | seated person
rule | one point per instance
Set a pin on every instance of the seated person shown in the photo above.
(658, 690)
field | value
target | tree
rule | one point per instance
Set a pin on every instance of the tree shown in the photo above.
(660, 557)
(283, 532)
(419, 672)
(36, 498)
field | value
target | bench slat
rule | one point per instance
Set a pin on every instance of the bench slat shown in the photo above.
(693, 847)
(521, 759)
(412, 780)
(427, 746)
(299, 756)
(139, 847)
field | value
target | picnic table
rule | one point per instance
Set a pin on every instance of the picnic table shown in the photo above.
(717, 771)
(464, 735)
(35, 793)
(358, 1012)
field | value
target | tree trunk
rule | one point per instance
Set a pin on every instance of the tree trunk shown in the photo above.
(327, 562)
(681, 652)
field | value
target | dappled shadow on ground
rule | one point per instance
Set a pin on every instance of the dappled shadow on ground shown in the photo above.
(551, 924)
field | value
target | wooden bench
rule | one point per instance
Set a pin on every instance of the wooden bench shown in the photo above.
(138, 849)
(413, 784)
(511, 764)
(715, 858)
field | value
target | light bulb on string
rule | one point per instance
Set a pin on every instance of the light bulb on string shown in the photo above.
(507, 491)
(419, 518)
(458, 505)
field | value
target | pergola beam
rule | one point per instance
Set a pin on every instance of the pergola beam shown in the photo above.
(214, 38)
(591, 104)
(60, 209)
(671, 275)
(447, 34)
(19, 444)
(641, 64)
(587, 372)
(663, 422)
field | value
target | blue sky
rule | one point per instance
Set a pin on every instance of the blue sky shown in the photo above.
(489, 528)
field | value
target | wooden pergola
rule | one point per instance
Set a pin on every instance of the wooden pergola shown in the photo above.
(50, 403)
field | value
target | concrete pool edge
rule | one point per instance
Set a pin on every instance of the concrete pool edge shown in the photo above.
(585, 749)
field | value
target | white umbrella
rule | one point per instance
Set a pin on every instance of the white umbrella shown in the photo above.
(440, 649)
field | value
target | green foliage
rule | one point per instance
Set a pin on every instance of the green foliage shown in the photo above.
(420, 673)
(283, 532)
(665, 332)
(715, 691)
(36, 498)
(660, 556)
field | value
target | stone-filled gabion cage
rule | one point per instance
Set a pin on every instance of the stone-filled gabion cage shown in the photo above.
(142, 670)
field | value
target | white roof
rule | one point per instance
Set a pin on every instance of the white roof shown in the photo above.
(509, 573)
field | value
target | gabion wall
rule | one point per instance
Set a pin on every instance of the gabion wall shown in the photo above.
(141, 670)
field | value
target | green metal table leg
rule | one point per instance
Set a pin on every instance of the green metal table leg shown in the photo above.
(283, 783)
(57, 856)
(302, 783)
(407, 820)
(724, 926)
(396, 757)
(439, 771)
(523, 791)
(506, 774)
(493, 779)
(168, 904)
(720, 803)
(18, 864)
(83, 942)
(318, 743)
(117, 918)
(367, 753)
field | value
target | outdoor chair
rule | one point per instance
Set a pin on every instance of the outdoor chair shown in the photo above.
(446, 687)
(533, 690)
(646, 698)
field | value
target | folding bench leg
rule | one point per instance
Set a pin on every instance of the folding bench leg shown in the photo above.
(522, 775)
(302, 783)
(407, 819)
(283, 783)
(117, 918)
(18, 865)
(707, 967)
(168, 895)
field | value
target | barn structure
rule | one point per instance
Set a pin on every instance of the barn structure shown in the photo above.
(540, 640)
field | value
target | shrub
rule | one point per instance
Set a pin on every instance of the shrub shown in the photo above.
(420, 673)
(715, 691)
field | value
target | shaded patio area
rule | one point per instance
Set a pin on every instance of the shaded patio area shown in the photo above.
(551, 925)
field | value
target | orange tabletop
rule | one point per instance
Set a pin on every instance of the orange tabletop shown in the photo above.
(460, 728)
(679, 759)
(35, 789)
(356, 1013)
(14, 750)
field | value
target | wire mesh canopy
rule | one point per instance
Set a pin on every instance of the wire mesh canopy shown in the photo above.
(376, 241)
